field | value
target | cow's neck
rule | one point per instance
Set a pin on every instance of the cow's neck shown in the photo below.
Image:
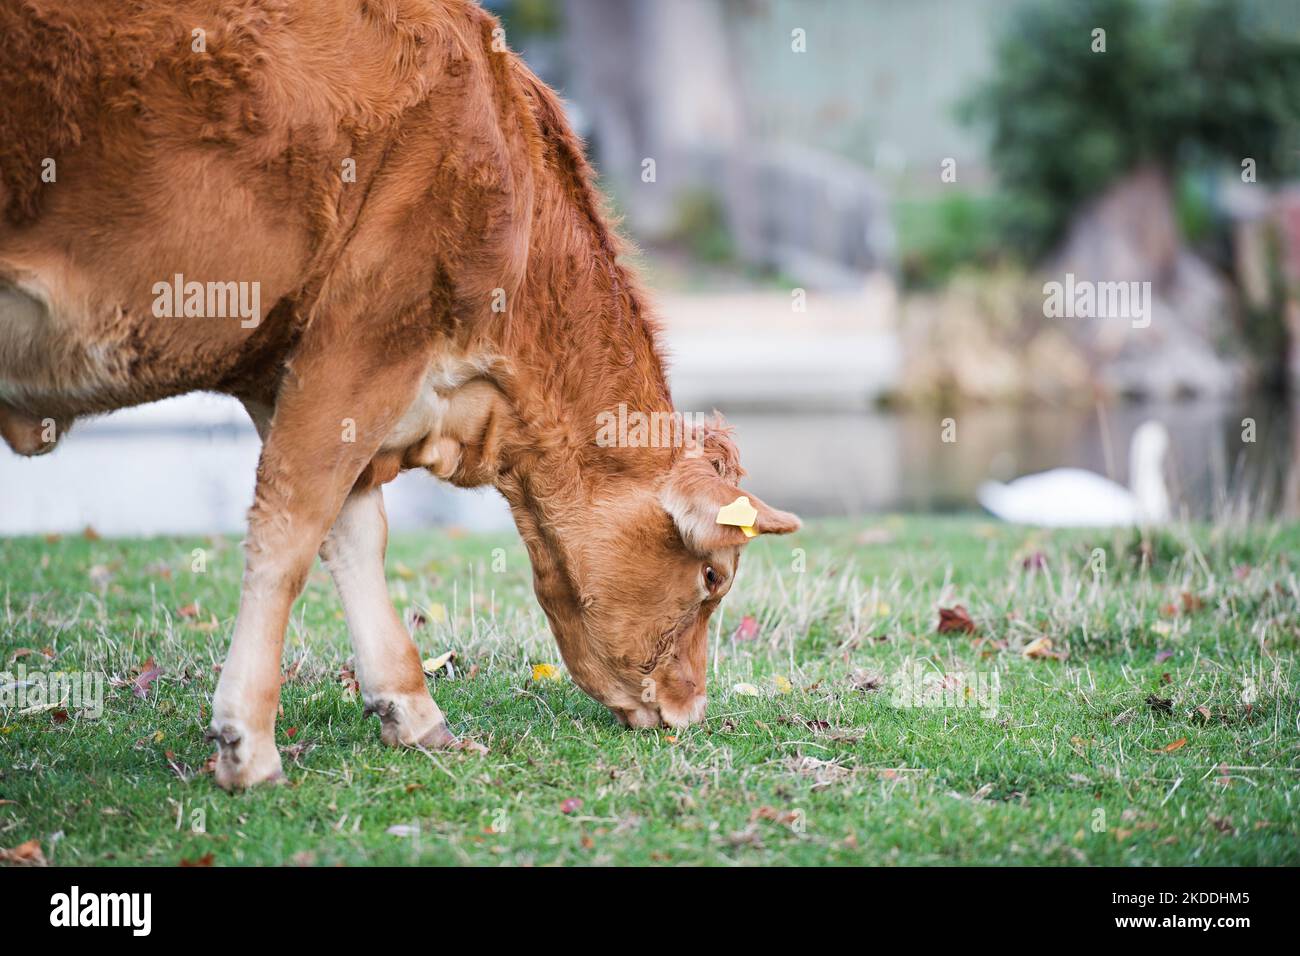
(575, 340)
(579, 342)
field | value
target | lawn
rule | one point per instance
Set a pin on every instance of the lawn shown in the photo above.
(1156, 724)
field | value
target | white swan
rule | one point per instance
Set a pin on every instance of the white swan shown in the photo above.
(1074, 498)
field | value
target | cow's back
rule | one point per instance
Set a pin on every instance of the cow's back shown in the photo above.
(218, 142)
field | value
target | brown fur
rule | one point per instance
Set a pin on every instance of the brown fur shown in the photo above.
(377, 297)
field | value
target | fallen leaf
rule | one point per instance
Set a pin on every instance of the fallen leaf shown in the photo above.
(1039, 648)
(432, 665)
(746, 837)
(1162, 705)
(1169, 748)
(865, 680)
(955, 620)
(348, 678)
(149, 672)
(205, 860)
(786, 817)
(295, 751)
(468, 746)
(189, 610)
(24, 854)
(90, 534)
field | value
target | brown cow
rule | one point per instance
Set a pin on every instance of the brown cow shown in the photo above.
(368, 221)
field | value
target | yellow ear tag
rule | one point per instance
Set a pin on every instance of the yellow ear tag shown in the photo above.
(740, 514)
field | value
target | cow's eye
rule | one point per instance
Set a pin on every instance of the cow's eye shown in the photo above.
(711, 577)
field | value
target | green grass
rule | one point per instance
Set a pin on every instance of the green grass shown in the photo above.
(1071, 769)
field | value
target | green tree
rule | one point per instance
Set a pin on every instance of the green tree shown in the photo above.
(1179, 83)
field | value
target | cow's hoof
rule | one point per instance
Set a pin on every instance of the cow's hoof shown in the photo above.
(410, 720)
(244, 760)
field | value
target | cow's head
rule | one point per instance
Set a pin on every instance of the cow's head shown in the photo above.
(630, 575)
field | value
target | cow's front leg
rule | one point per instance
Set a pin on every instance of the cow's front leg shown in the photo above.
(330, 417)
(248, 692)
(387, 662)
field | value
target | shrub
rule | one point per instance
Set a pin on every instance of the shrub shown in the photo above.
(1180, 83)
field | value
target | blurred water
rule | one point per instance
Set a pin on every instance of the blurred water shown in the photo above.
(146, 471)
(186, 466)
(859, 463)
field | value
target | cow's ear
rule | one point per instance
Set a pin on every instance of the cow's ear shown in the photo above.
(693, 496)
